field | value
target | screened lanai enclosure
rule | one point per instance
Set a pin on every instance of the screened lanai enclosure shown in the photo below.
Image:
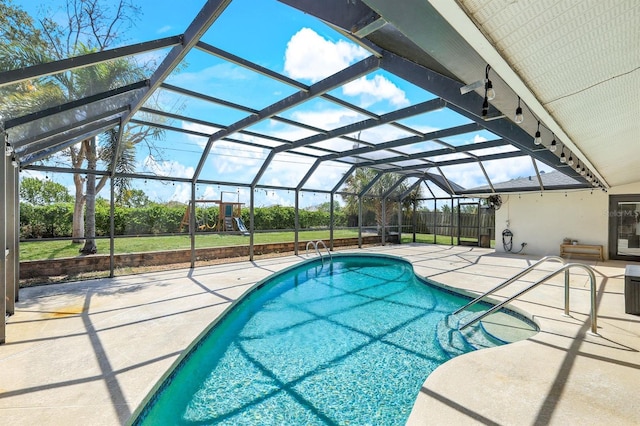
(349, 114)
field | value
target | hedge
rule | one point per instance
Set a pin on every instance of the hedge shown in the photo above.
(55, 220)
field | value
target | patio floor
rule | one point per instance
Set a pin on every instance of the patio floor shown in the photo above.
(89, 352)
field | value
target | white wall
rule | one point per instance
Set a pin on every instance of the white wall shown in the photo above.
(544, 221)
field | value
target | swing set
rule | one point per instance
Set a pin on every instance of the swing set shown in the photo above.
(229, 216)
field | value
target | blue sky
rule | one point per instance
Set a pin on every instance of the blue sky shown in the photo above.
(294, 44)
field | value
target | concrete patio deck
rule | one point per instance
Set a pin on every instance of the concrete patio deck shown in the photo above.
(89, 352)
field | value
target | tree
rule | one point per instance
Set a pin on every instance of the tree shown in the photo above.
(39, 192)
(373, 199)
(133, 198)
(92, 25)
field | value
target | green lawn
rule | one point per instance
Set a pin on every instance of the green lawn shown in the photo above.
(36, 250)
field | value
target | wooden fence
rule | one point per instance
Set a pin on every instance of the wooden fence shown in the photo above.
(440, 223)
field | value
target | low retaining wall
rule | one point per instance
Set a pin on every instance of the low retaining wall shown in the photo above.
(100, 262)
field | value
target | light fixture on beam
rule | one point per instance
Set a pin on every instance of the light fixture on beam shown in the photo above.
(8, 149)
(485, 107)
(553, 145)
(519, 118)
(563, 158)
(537, 140)
(488, 85)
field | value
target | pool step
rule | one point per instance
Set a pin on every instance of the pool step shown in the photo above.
(456, 342)
(495, 330)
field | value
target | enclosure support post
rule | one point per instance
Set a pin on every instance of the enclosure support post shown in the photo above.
(16, 240)
(384, 221)
(331, 219)
(192, 223)
(3, 240)
(359, 221)
(296, 222)
(112, 227)
(435, 220)
(252, 197)
(11, 230)
(451, 223)
(414, 221)
(399, 221)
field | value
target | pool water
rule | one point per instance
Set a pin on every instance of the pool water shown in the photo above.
(349, 342)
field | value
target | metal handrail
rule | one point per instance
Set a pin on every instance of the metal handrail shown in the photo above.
(315, 246)
(565, 268)
(512, 279)
(325, 247)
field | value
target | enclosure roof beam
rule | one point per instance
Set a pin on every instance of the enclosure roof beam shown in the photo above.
(117, 150)
(69, 64)
(221, 126)
(458, 130)
(341, 77)
(37, 153)
(211, 10)
(423, 107)
(306, 177)
(230, 57)
(449, 90)
(486, 176)
(263, 168)
(343, 179)
(71, 126)
(489, 157)
(394, 186)
(203, 97)
(406, 193)
(370, 185)
(426, 184)
(450, 190)
(72, 105)
(427, 154)
(535, 167)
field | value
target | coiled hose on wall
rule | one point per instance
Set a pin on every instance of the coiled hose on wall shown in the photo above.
(507, 242)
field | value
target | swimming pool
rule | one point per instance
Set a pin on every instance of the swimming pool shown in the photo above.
(350, 342)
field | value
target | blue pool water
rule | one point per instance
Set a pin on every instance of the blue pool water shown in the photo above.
(347, 343)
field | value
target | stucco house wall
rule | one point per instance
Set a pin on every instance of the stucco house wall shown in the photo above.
(543, 220)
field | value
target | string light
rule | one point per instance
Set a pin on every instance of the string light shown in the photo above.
(519, 118)
(488, 85)
(8, 149)
(485, 106)
(538, 138)
(570, 160)
(563, 158)
(14, 162)
(553, 145)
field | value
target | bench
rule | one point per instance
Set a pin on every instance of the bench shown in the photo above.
(582, 250)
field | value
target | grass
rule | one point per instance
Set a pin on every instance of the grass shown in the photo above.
(38, 250)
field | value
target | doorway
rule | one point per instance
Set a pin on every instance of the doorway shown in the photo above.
(624, 227)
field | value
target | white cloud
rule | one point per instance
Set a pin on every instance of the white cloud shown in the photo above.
(311, 57)
(166, 168)
(327, 118)
(164, 29)
(201, 141)
(219, 72)
(376, 89)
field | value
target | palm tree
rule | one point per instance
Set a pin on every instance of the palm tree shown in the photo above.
(90, 28)
(373, 199)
